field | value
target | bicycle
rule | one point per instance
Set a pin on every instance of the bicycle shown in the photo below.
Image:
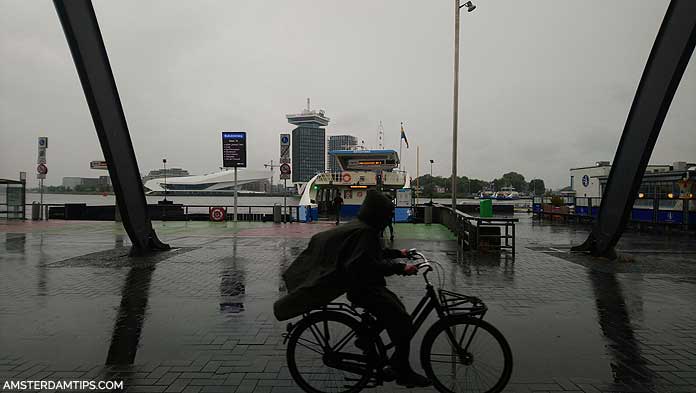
(337, 348)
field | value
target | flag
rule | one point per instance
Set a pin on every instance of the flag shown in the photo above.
(403, 135)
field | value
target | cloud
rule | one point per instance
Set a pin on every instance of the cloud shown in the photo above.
(542, 88)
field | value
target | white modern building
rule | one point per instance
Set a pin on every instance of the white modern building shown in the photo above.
(590, 181)
(247, 180)
(584, 181)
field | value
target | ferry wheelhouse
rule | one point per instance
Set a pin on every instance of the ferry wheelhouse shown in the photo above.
(361, 170)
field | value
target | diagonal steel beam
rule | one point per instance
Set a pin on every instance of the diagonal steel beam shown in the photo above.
(668, 59)
(92, 62)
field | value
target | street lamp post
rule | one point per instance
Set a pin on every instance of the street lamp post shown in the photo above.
(164, 161)
(431, 181)
(455, 112)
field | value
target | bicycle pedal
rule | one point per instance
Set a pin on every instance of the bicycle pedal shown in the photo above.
(388, 374)
(373, 383)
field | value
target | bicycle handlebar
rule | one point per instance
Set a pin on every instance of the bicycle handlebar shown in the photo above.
(414, 254)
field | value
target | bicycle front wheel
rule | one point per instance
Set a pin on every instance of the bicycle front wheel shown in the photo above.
(464, 354)
(322, 355)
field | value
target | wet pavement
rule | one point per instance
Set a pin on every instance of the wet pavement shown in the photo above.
(198, 318)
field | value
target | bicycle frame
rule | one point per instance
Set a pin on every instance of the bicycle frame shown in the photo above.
(378, 358)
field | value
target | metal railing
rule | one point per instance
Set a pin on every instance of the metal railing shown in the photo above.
(362, 177)
(645, 211)
(171, 212)
(478, 233)
(244, 213)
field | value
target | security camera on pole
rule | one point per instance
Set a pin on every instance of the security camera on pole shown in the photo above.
(285, 169)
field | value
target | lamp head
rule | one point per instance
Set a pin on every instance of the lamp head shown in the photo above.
(469, 6)
(432, 162)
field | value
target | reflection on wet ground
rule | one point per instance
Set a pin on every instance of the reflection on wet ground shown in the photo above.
(131, 316)
(199, 317)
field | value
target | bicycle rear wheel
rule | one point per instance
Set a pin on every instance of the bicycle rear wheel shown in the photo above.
(322, 356)
(479, 360)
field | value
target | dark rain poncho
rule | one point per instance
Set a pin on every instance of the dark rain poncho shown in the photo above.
(347, 257)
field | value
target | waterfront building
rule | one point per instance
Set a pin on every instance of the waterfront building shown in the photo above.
(340, 142)
(659, 181)
(169, 172)
(308, 144)
(247, 180)
(70, 182)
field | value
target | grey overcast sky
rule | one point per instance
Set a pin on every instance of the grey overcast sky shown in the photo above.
(545, 85)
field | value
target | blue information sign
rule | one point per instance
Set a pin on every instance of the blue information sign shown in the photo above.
(234, 149)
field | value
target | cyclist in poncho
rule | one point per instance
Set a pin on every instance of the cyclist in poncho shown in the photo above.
(350, 258)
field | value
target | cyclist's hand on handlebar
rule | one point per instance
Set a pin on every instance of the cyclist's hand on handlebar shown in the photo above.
(410, 270)
(408, 253)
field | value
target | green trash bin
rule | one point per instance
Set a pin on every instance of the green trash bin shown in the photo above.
(486, 208)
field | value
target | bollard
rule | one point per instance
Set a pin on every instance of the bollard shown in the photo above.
(35, 211)
(428, 216)
(276, 213)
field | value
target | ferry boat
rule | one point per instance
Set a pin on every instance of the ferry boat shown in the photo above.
(507, 193)
(486, 195)
(361, 170)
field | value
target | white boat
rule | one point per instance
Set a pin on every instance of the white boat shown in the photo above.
(507, 193)
(361, 170)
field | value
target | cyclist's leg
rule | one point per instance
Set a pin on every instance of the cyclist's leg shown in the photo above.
(391, 313)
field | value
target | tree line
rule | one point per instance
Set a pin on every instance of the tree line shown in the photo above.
(467, 186)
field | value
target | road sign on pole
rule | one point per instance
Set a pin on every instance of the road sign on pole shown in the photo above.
(284, 148)
(285, 171)
(43, 144)
(285, 139)
(98, 165)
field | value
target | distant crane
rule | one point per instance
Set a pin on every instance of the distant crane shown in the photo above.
(273, 166)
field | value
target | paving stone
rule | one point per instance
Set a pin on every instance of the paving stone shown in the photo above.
(204, 320)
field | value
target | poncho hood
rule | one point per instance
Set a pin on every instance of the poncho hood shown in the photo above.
(377, 210)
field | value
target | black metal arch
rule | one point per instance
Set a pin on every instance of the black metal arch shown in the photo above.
(665, 67)
(92, 62)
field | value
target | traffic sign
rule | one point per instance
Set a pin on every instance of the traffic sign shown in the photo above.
(43, 144)
(284, 151)
(42, 169)
(284, 148)
(285, 171)
(40, 175)
(98, 165)
(285, 139)
(284, 154)
(41, 158)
